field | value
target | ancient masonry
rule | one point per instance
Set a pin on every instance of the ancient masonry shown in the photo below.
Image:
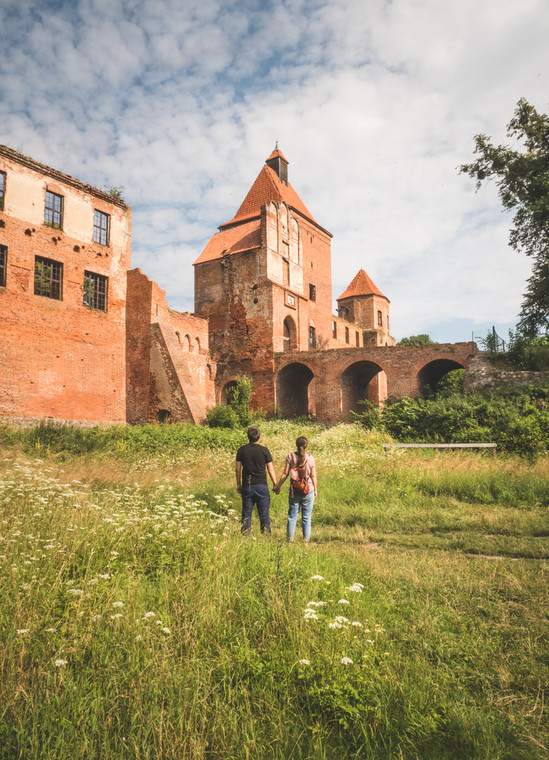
(85, 339)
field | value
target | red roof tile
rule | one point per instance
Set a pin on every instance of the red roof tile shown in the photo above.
(268, 187)
(241, 237)
(361, 285)
(278, 154)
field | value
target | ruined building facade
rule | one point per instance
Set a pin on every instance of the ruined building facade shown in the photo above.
(86, 339)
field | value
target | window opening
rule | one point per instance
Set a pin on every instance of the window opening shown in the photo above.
(3, 264)
(100, 227)
(380, 319)
(95, 291)
(53, 214)
(334, 329)
(2, 189)
(312, 292)
(48, 278)
(358, 339)
(312, 337)
(346, 335)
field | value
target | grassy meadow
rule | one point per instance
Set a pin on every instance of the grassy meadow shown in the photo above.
(137, 622)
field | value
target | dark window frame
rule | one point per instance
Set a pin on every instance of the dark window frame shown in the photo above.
(53, 210)
(2, 189)
(357, 340)
(334, 328)
(312, 292)
(346, 335)
(96, 287)
(379, 318)
(312, 336)
(3, 265)
(48, 278)
(101, 227)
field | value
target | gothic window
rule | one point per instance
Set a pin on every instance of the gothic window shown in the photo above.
(380, 319)
(289, 336)
(48, 278)
(95, 291)
(3, 264)
(2, 189)
(53, 212)
(101, 225)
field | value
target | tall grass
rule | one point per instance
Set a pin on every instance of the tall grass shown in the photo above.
(137, 622)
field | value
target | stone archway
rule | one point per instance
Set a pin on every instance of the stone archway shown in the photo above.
(431, 373)
(295, 391)
(289, 335)
(360, 381)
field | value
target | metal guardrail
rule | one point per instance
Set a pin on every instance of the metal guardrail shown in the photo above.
(437, 446)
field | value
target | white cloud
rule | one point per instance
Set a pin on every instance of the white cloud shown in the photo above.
(375, 104)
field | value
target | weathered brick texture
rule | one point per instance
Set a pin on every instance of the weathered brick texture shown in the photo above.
(61, 360)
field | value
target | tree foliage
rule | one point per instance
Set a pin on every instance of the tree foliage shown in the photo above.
(416, 340)
(522, 178)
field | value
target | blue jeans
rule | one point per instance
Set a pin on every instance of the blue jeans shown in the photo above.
(305, 502)
(257, 494)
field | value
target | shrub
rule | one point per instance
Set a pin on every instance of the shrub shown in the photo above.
(222, 417)
(238, 398)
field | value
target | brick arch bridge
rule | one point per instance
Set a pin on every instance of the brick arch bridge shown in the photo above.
(328, 384)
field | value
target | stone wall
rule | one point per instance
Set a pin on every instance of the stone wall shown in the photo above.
(480, 374)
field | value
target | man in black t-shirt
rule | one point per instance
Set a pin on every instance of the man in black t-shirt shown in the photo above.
(251, 480)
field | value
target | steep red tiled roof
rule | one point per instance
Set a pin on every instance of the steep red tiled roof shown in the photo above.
(241, 237)
(362, 285)
(268, 187)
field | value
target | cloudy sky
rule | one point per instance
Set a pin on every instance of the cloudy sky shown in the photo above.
(374, 102)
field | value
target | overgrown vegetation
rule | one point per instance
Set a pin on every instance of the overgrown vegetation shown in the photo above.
(136, 621)
(516, 418)
(236, 413)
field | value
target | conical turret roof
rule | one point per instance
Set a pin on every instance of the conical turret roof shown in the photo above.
(362, 285)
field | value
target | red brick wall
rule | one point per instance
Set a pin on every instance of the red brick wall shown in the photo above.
(60, 359)
(169, 364)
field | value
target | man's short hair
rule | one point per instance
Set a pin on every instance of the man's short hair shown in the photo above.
(253, 434)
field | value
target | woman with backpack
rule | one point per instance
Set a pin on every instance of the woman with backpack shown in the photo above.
(300, 466)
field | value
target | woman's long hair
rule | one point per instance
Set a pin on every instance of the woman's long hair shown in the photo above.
(301, 445)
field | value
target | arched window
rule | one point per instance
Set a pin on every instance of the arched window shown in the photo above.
(289, 338)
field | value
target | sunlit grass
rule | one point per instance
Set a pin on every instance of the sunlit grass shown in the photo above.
(136, 621)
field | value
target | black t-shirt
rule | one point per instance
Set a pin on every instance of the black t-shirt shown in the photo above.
(254, 458)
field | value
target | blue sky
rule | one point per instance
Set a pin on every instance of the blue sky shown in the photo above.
(375, 105)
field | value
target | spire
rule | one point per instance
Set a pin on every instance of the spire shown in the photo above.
(278, 164)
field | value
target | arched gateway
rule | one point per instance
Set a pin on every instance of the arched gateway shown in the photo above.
(363, 380)
(431, 373)
(295, 391)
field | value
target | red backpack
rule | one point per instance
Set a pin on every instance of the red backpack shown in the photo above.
(299, 480)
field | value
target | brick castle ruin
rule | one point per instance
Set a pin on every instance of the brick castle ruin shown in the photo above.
(87, 340)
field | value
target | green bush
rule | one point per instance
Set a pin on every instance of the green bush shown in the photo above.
(238, 398)
(222, 417)
(530, 354)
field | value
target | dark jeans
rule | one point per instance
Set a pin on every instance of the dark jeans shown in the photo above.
(257, 494)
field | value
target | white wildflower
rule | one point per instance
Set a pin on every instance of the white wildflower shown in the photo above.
(166, 630)
(317, 578)
(346, 661)
(356, 624)
(304, 662)
(149, 615)
(310, 615)
(118, 615)
(60, 663)
(341, 619)
(343, 601)
(118, 604)
(356, 587)
(22, 631)
(335, 624)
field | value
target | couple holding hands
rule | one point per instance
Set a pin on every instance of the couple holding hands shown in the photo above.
(253, 462)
